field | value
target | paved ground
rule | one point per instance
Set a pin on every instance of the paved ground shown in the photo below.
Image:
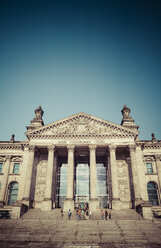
(40, 232)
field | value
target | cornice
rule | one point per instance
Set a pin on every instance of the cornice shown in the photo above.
(149, 144)
(12, 146)
(82, 136)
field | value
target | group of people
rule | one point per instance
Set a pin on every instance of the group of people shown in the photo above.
(85, 214)
(105, 215)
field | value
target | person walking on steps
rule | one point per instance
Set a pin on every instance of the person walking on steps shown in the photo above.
(62, 213)
(69, 214)
(106, 214)
(102, 215)
(109, 215)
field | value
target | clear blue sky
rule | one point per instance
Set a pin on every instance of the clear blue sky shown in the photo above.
(80, 56)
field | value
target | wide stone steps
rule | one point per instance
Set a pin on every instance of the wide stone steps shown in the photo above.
(72, 234)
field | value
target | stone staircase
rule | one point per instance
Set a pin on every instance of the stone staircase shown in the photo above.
(43, 229)
(55, 214)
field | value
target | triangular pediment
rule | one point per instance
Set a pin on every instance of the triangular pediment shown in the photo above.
(81, 124)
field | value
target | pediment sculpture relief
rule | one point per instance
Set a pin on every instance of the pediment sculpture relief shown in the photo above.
(81, 126)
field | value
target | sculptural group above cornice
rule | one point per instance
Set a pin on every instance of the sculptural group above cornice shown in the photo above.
(81, 125)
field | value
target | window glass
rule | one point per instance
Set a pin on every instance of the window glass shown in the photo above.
(149, 168)
(82, 180)
(61, 189)
(152, 193)
(16, 168)
(1, 165)
(13, 193)
(102, 185)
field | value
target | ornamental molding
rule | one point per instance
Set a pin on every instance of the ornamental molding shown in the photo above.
(112, 148)
(148, 159)
(70, 148)
(51, 148)
(123, 180)
(81, 125)
(132, 148)
(2, 159)
(16, 159)
(152, 146)
(32, 148)
(157, 157)
(92, 147)
(149, 144)
(13, 146)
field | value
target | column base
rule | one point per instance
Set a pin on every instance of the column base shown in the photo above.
(116, 204)
(46, 205)
(1, 204)
(126, 205)
(94, 204)
(138, 201)
(68, 204)
(26, 201)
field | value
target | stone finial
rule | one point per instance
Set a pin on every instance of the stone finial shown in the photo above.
(153, 137)
(39, 113)
(12, 138)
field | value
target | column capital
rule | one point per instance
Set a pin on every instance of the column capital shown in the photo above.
(132, 148)
(92, 147)
(51, 148)
(8, 157)
(157, 157)
(112, 147)
(31, 148)
(70, 148)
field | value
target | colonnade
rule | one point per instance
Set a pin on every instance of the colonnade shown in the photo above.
(69, 202)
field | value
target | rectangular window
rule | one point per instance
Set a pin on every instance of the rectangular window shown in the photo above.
(149, 168)
(1, 165)
(16, 168)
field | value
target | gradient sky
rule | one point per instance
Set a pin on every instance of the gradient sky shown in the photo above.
(80, 56)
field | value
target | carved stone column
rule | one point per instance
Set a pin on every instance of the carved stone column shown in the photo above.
(4, 186)
(135, 176)
(30, 162)
(158, 166)
(47, 203)
(93, 203)
(115, 191)
(69, 202)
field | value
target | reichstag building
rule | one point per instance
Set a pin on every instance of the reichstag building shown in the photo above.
(81, 159)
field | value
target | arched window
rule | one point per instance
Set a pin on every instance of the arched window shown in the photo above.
(12, 193)
(152, 193)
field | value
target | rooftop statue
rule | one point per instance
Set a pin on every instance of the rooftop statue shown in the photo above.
(39, 113)
(153, 137)
(126, 113)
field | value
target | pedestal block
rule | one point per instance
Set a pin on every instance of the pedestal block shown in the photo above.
(116, 204)
(68, 204)
(94, 205)
(46, 205)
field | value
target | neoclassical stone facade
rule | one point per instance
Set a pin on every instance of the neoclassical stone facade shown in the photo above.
(80, 159)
